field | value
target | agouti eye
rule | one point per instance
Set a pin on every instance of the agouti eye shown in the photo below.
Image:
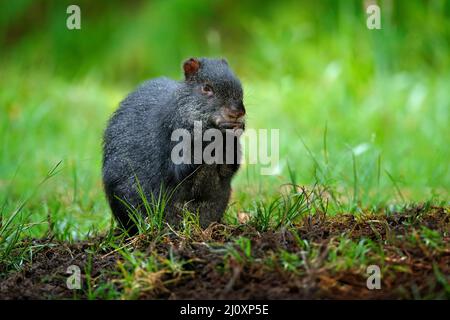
(207, 89)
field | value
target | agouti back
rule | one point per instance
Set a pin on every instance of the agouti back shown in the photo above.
(138, 145)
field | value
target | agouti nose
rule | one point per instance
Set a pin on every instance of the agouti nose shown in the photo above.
(236, 110)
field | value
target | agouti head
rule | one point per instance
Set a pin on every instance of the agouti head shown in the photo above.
(215, 94)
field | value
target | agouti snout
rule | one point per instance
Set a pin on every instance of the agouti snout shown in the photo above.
(138, 158)
(232, 117)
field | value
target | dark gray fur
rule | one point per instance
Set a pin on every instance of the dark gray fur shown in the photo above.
(137, 143)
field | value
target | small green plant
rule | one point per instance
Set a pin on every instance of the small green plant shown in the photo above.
(290, 261)
(432, 238)
(149, 218)
(190, 224)
(348, 253)
(142, 273)
(240, 250)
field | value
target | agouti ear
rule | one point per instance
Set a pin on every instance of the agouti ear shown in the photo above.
(191, 67)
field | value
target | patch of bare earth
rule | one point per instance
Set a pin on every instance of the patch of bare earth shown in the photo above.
(411, 268)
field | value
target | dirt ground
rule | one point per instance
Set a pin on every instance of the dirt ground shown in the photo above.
(410, 266)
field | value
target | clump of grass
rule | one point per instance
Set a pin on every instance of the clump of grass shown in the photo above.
(190, 224)
(143, 273)
(280, 212)
(14, 249)
(148, 217)
(345, 253)
(240, 250)
(291, 261)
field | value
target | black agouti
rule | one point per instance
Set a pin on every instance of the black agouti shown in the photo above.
(138, 143)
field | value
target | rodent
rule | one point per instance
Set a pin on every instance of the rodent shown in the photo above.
(137, 143)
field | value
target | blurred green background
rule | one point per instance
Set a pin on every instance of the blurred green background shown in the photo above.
(363, 112)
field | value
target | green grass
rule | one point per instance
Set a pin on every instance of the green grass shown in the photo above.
(363, 115)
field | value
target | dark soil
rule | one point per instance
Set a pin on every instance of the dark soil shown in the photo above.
(409, 264)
